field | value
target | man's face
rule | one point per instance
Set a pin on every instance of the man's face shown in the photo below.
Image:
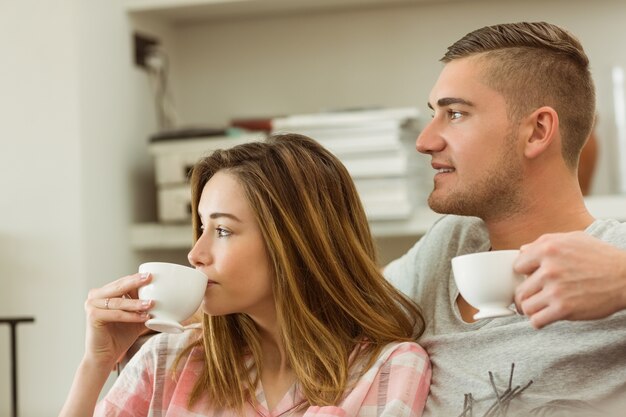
(472, 144)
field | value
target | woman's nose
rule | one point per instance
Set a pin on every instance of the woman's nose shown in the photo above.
(199, 255)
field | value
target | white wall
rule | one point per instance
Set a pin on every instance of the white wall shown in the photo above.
(116, 174)
(40, 250)
(74, 164)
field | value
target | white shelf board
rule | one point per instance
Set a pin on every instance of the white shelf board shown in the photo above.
(179, 11)
(145, 236)
(607, 206)
(416, 225)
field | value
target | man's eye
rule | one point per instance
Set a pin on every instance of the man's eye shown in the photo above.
(454, 115)
(221, 232)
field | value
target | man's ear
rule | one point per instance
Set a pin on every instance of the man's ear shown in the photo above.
(540, 129)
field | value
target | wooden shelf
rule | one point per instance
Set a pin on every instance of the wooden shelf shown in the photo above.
(180, 11)
(149, 236)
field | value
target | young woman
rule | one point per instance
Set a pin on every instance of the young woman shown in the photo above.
(298, 320)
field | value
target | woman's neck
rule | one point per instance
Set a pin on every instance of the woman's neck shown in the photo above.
(277, 376)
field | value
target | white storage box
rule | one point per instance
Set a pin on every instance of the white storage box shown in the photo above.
(174, 159)
(174, 203)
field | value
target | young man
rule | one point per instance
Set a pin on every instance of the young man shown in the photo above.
(512, 109)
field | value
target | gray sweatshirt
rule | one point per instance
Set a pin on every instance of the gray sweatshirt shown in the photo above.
(502, 366)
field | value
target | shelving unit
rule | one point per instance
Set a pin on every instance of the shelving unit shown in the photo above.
(177, 13)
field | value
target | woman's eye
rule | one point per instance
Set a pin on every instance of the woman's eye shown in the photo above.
(221, 232)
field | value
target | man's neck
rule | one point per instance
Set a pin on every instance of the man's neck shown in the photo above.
(560, 215)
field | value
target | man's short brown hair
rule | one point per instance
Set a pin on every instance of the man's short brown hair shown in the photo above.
(534, 65)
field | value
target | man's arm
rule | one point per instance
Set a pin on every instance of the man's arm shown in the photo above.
(571, 276)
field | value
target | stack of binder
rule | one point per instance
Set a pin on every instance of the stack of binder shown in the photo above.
(378, 149)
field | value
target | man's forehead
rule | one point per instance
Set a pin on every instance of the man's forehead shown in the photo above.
(461, 81)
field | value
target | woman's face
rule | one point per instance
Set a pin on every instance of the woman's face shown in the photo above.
(231, 252)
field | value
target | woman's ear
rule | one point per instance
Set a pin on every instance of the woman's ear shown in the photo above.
(540, 129)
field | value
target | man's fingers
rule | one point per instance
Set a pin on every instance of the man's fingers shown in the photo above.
(534, 304)
(544, 317)
(528, 260)
(528, 288)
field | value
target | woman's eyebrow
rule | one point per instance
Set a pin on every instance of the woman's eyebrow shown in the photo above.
(217, 215)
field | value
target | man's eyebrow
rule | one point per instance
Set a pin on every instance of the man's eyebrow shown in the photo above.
(446, 101)
(217, 215)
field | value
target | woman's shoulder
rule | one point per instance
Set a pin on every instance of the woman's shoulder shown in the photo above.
(167, 346)
(407, 354)
(159, 341)
(399, 377)
(398, 351)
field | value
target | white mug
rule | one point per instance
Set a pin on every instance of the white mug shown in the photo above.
(177, 292)
(486, 280)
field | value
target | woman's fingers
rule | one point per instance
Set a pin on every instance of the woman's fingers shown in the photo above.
(121, 316)
(118, 288)
(111, 305)
(126, 304)
(116, 302)
(111, 308)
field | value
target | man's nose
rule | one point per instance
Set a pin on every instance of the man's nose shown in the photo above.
(429, 139)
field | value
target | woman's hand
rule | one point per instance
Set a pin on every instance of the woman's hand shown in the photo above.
(115, 319)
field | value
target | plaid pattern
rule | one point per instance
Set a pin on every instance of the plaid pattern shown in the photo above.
(395, 386)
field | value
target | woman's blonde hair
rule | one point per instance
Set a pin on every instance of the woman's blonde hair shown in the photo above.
(329, 292)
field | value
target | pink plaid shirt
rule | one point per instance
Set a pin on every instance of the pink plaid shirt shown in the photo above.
(395, 386)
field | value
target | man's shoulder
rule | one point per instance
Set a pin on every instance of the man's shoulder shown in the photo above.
(456, 233)
(454, 222)
(609, 230)
(427, 263)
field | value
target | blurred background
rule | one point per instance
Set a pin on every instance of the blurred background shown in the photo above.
(78, 179)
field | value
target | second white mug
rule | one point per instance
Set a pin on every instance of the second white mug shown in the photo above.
(486, 280)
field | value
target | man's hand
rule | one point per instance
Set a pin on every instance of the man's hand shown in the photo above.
(571, 276)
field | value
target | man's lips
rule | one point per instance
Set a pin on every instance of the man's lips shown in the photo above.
(442, 168)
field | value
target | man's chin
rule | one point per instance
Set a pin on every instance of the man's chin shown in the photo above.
(446, 206)
(438, 205)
